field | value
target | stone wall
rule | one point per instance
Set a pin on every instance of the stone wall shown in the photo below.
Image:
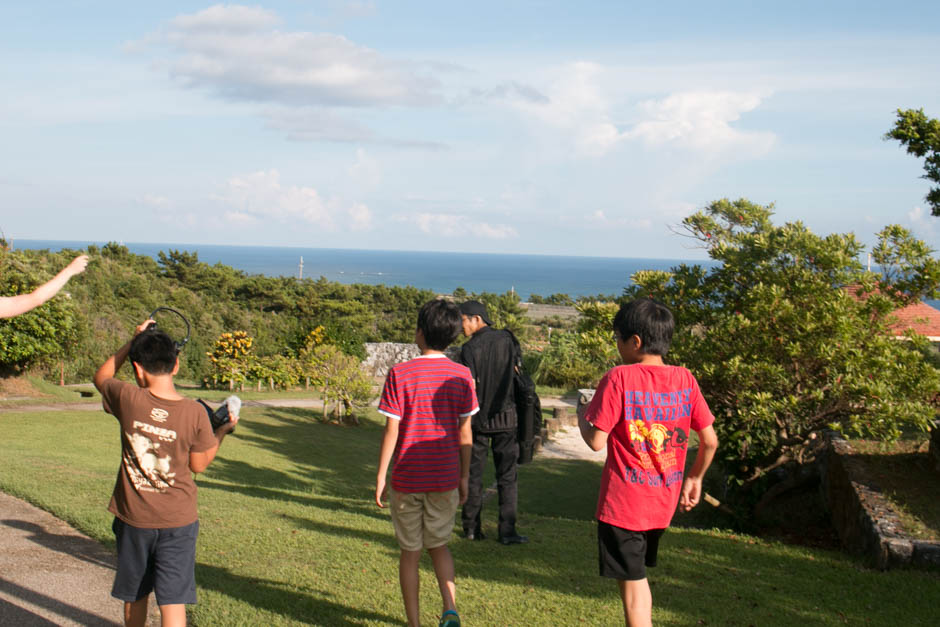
(381, 356)
(864, 518)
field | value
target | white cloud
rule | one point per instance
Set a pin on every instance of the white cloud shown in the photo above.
(260, 197)
(455, 225)
(701, 121)
(360, 217)
(585, 101)
(238, 53)
(231, 18)
(924, 225)
(574, 104)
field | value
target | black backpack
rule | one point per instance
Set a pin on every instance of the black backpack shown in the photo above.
(528, 407)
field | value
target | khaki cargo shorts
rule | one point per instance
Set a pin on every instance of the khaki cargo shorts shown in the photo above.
(423, 520)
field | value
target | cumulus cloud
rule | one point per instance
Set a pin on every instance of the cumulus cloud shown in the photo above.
(575, 104)
(701, 121)
(238, 53)
(260, 196)
(456, 225)
(585, 101)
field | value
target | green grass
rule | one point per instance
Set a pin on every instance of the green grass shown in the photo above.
(289, 535)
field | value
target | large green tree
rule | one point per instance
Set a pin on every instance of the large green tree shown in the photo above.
(44, 335)
(921, 136)
(789, 337)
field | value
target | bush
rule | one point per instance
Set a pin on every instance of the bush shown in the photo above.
(789, 337)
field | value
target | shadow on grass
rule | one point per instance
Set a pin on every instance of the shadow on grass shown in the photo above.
(716, 578)
(558, 488)
(309, 606)
(386, 539)
(333, 460)
(748, 581)
(359, 507)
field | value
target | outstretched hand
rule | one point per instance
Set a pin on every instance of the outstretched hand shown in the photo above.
(77, 266)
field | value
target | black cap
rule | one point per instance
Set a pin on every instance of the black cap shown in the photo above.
(475, 308)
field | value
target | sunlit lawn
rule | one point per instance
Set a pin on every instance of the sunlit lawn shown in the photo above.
(289, 535)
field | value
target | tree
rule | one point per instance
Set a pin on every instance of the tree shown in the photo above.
(340, 379)
(38, 336)
(921, 136)
(504, 310)
(783, 350)
(231, 358)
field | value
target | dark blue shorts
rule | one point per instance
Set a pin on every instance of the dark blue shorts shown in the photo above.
(625, 554)
(162, 561)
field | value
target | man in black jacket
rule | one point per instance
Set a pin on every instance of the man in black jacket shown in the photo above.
(492, 356)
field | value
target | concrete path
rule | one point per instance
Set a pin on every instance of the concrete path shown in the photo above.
(51, 574)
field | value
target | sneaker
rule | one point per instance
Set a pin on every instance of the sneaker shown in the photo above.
(449, 619)
(513, 539)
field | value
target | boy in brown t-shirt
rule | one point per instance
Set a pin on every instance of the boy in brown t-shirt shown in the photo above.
(164, 439)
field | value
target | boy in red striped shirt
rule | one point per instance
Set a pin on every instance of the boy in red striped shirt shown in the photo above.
(427, 402)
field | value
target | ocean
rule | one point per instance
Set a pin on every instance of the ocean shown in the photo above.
(440, 272)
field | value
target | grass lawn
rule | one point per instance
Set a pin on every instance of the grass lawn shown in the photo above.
(289, 535)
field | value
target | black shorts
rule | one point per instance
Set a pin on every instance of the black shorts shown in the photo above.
(625, 554)
(155, 560)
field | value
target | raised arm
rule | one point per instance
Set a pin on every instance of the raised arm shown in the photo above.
(109, 368)
(15, 305)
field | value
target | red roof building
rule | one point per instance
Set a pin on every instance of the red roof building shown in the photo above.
(919, 317)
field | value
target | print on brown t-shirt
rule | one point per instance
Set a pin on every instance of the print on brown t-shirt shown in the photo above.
(154, 486)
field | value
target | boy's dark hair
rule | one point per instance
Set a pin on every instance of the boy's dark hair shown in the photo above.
(439, 323)
(650, 320)
(154, 351)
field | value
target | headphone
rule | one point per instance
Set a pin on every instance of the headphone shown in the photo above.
(153, 327)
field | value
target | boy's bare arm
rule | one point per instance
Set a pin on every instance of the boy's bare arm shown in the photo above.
(592, 436)
(389, 440)
(692, 486)
(198, 462)
(15, 305)
(109, 368)
(466, 452)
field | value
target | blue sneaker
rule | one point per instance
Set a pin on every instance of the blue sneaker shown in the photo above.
(449, 619)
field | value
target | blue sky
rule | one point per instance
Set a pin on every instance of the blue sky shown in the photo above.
(587, 128)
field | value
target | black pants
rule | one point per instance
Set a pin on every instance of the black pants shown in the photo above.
(505, 455)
